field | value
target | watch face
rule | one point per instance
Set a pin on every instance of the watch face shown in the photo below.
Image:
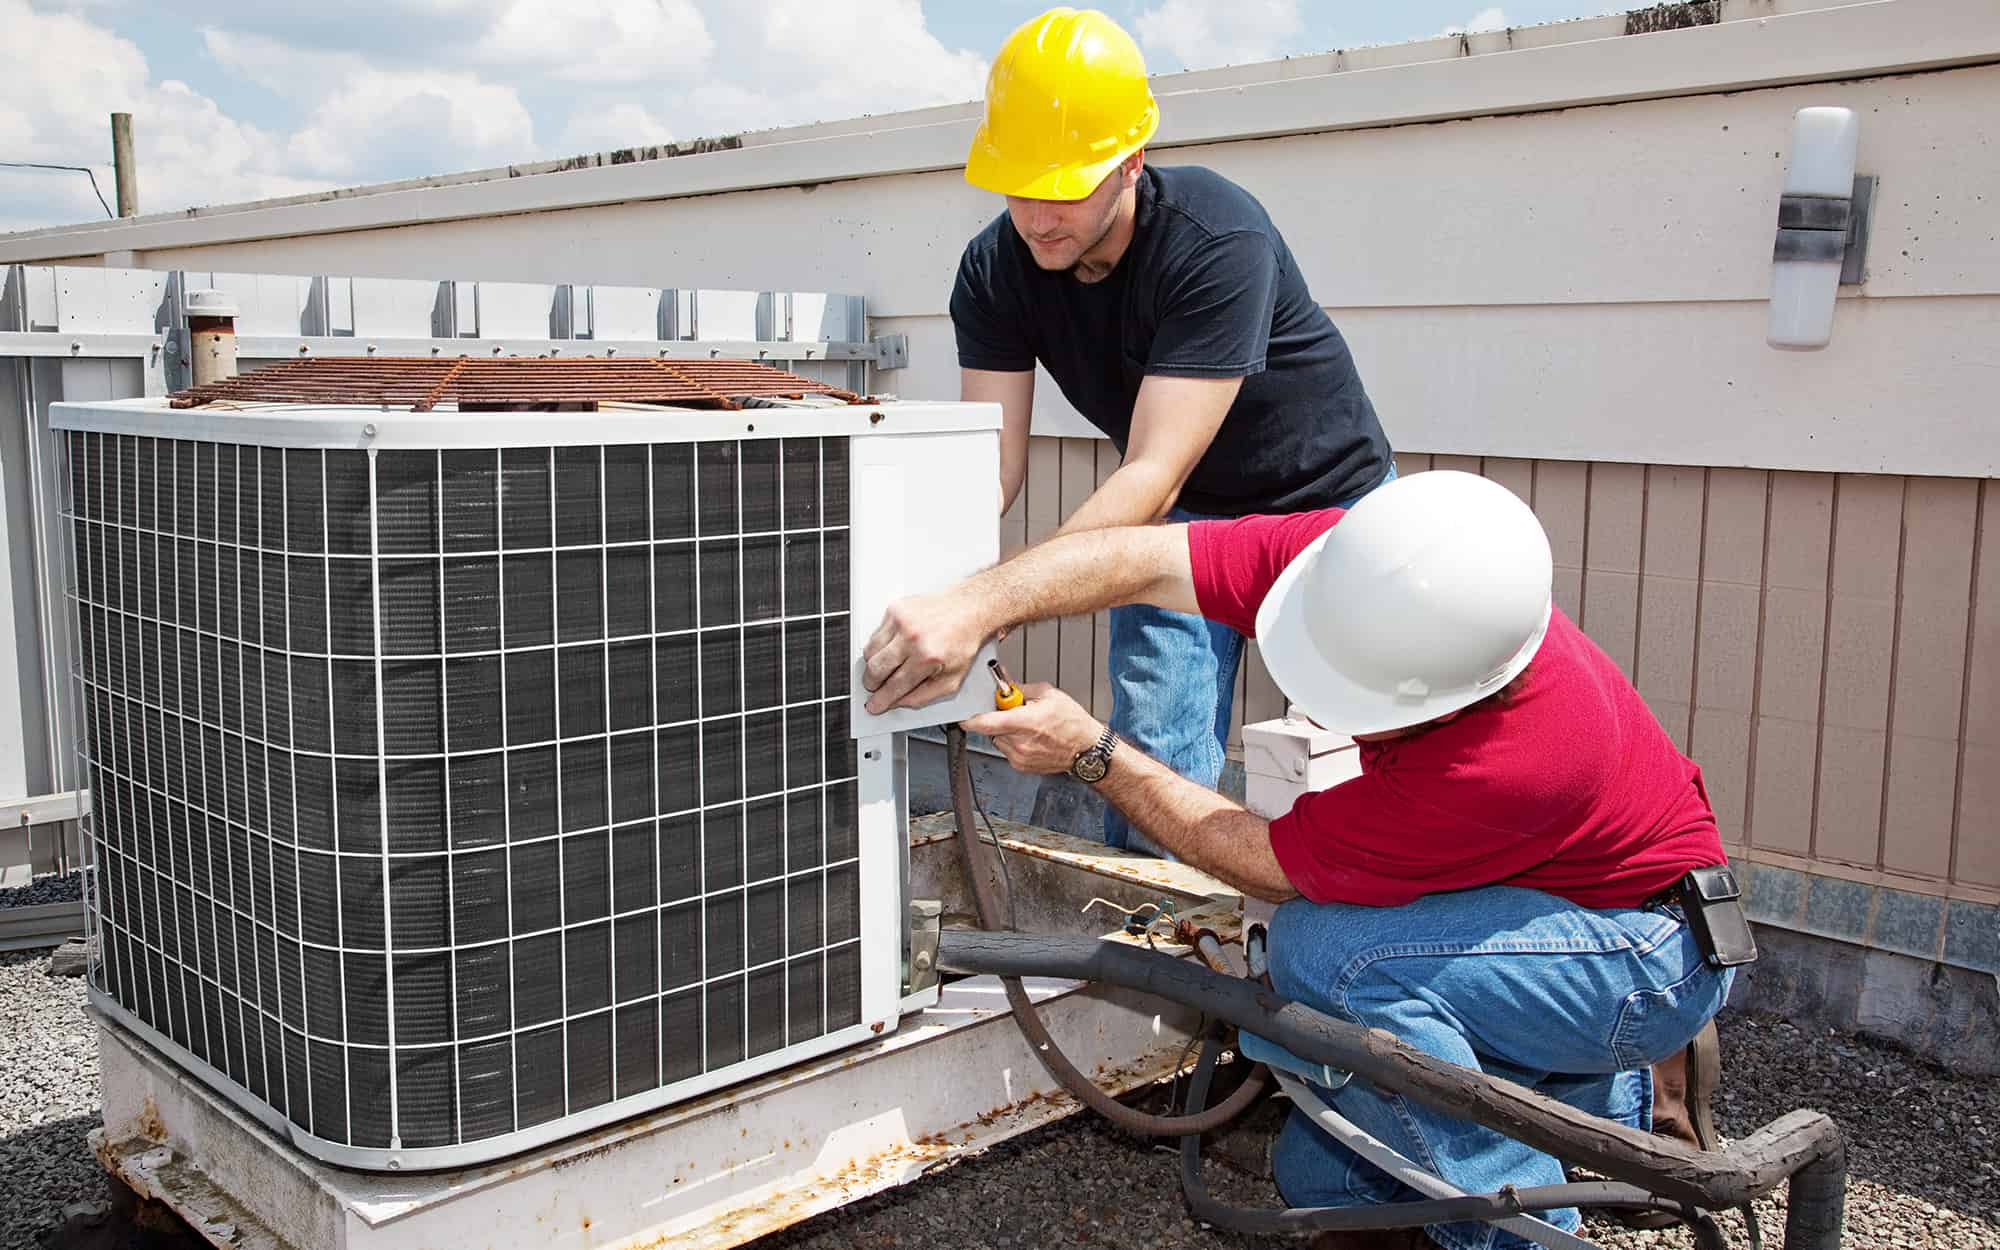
(1091, 766)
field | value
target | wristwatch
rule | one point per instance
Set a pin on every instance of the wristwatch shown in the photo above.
(1094, 761)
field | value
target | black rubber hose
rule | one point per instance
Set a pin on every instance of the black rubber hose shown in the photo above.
(1802, 1142)
(1296, 1221)
(972, 850)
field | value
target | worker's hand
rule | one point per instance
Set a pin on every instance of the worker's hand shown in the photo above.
(1044, 734)
(922, 649)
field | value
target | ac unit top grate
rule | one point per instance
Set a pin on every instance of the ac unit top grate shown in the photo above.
(509, 383)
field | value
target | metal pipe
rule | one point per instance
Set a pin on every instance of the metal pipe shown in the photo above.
(123, 165)
(211, 317)
(1403, 1169)
(1499, 1207)
(972, 852)
(1801, 1142)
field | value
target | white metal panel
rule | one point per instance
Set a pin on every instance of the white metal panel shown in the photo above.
(513, 310)
(809, 314)
(17, 628)
(39, 309)
(108, 301)
(621, 312)
(393, 307)
(266, 303)
(727, 314)
(926, 513)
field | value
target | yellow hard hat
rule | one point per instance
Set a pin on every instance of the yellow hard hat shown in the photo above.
(1067, 100)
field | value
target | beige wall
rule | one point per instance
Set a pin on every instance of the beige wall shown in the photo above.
(1826, 646)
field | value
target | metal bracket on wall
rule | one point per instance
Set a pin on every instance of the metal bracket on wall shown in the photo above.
(1853, 262)
(892, 351)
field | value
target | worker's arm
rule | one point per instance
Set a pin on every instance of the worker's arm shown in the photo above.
(1173, 422)
(1195, 823)
(925, 643)
(1015, 393)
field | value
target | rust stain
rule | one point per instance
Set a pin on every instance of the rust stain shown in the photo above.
(150, 1125)
(510, 383)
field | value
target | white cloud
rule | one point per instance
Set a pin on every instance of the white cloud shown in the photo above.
(369, 123)
(597, 41)
(823, 60)
(61, 74)
(1200, 34)
(622, 125)
(381, 89)
(1484, 20)
(386, 125)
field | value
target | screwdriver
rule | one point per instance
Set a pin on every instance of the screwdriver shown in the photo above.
(1007, 696)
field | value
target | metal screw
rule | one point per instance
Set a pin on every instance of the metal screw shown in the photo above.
(371, 349)
(874, 418)
(368, 430)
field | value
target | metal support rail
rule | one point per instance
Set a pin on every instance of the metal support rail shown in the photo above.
(1803, 1146)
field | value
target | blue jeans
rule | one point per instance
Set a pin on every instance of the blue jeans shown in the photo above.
(1173, 682)
(1572, 1002)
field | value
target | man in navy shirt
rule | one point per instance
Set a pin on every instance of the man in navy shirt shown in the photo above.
(1167, 308)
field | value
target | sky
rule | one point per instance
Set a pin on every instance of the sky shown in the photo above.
(234, 100)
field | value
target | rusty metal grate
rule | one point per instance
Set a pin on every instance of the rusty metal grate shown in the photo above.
(512, 382)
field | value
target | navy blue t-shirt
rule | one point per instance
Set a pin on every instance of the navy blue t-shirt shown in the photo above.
(1207, 289)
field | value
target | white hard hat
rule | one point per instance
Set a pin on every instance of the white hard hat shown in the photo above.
(1429, 595)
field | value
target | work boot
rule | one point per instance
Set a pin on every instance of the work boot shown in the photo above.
(1684, 1091)
(1683, 1098)
(1375, 1239)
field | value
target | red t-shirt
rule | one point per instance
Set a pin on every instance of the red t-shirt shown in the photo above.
(1570, 787)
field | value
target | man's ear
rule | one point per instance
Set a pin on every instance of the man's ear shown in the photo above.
(1129, 169)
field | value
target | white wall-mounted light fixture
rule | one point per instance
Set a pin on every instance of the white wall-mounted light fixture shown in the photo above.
(1822, 228)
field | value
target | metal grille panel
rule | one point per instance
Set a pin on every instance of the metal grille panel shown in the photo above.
(441, 795)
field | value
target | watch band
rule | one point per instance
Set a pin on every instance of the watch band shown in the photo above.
(1094, 761)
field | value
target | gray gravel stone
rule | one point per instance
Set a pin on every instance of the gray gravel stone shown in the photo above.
(67, 888)
(48, 1099)
(1925, 1163)
(71, 959)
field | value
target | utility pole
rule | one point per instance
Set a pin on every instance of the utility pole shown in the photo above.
(122, 164)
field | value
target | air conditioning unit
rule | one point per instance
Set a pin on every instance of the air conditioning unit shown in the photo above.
(464, 779)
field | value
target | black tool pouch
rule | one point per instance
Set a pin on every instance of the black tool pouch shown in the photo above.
(1712, 902)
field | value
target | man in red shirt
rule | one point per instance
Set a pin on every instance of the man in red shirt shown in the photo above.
(1489, 888)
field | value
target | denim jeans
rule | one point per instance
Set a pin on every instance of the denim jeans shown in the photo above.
(1173, 683)
(1514, 982)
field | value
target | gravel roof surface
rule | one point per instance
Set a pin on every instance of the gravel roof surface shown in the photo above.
(1925, 1151)
(51, 888)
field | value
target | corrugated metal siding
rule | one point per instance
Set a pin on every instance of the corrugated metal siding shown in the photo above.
(1826, 646)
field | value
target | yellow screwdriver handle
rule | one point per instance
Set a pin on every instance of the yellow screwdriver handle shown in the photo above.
(1006, 695)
